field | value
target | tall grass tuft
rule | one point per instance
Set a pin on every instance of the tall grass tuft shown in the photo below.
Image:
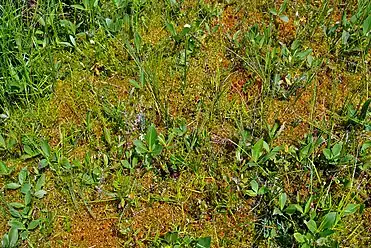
(27, 68)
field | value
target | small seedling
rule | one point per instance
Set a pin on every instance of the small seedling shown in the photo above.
(255, 190)
(151, 147)
(279, 12)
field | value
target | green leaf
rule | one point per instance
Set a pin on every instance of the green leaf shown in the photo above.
(26, 188)
(137, 41)
(256, 150)
(5, 241)
(171, 237)
(310, 60)
(43, 163)
(251, 193)
(295, 45)
(173, 3)
(28, 150)
(299, 208)
(27, 198)
(312, 214)
(11, 142)
(304, 54)
(135, 83)
(304, 152)
(40, 182)
(40, 194)
(14, 213)
(344, 37)
(282, 200)
(254, 186)
(65, 44)
(262, 190)
(140, 147)
(272, 154)
(33, 224)
(64, 163)
(16, 224)
(319, 142)
(96, 3)
(328, 221)
(299, 237)
(26, 211)
(351, 209)
(24, 234)
(151, 137)
(312, 226)
(134, 162)
(326, 233)
(171, 29)
(291, 209)
(16, 205)
(12, 186)
(204, 242)
(336, 149)
(328, 154)
(307, 205)
(273, 12)
(365, 146)
(309, 236)
(367, 25)
(2, 142)
(284, 18)
(77, 6)
(157, 150)
(45, 148)
(13, 237)
(4, 170)
(364, 110)
(283, 7)
(305, 245)
(276, 211)
(22, 176)
(72, 39)
(105, 160)
(107, 136)
(126, 164)
(142, 78)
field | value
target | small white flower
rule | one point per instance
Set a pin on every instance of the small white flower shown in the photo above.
(187, 26)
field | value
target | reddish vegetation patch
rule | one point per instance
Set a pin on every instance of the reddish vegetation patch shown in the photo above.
(155, 219)
(84, 231)
(297, 113)
(286, 31)
(230, 19)
(237, 227)
(238, 80)
(238, 83)
(293, 115)
(297, 184)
